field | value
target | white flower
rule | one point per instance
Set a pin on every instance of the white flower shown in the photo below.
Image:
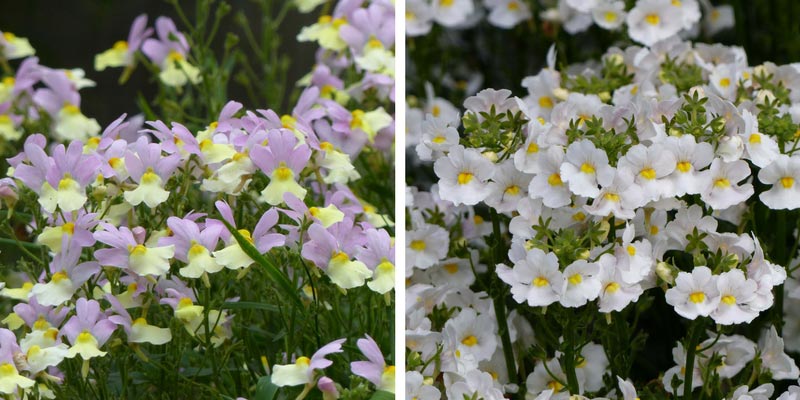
(679, 357)
(470, 335)
(650, 165)
(547, 183)
(774, 358)
(784, 176)
(721, 184)
(451, 13)
(419, 18)
(585, 167)
(736, 292)
(438, 136)
(476, 384)
(615, 294)
(761, 149)
(550, 378)
(620, 198)
(426, 245)
(690, 158)
(526, 158)
(417, 389)
(507, 13)
(609, 14)
(463, 176)
(535, 279)
(634, 259)
(580, 284)
(694, 294)
(508, 186)
(653, 20)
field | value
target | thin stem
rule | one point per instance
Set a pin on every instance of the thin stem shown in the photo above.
(694, 335)
(500, 305)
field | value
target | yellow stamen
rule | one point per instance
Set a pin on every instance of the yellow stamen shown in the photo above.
(729, 299)
(465, 178)
(697, 297)
(787, 182)
(648, 173)
(470, 341)
(418, 245)
(575, 279)
(684, 166)
(587, 168)
(652, 19)
(540, 281)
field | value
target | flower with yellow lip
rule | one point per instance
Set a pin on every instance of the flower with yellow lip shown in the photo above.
(370, 121)
(784, 176)
(340, 168)
(8, 129)
(282, 159)
(71, 124)
(301, 372)
(325, 32)
(10, 379)
(694, 294)
(13, 46)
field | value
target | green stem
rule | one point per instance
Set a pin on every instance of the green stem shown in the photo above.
(500, 305)
(694, 336)
(569, 359)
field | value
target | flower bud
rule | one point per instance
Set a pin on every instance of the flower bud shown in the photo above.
(730, 148)
(665, 272)
(561, 93)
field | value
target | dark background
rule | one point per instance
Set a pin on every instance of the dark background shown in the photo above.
(68, 34)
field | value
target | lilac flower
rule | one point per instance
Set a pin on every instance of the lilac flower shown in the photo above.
(62, 102)
(10, 379)
(176, 140)
(232, 256)
(70, 231)
(375, 22)
(87, 330)
(138, 330)
(282, 160)
(193, 246)
(169, 53)
(332, 249)
(67, 278)
(378, 255)
(302, 371)
(39, 317)
(375, 370)
(121, 54)
(148, 168)
(130, 253)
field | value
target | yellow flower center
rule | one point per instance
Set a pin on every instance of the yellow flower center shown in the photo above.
(612, 287)
(68, 228)
(470, 341)
(340, 257)
(41, 324)
(7, 369)
(9, 81)
(302, 361)
(648, 173)
(724, 82)
(418, 245)
(339, 22)
(140, 321)
(555, 180)
(729, 299)
(652, 19)
(59, 276)
(787, 182)
(555, 385)
(512, 190)
(325, 19)
(612, 197)
(722, 183)
(587, 168)
(755, 138)
(513, 6)
(185, 302)
(196, 249)
(697, 297)
(150, 177)
(611, 16)
(283, 173)
(357, 121)
(540, 281)
(575, 279)
(85, 337)
(631, 250)
(545, 102)
(121, 45)
(446, 3)
(288, 122)
(465, 178)
(246, 234)
(9, 36)
(579, 216)
(653, 230)
(532, 148)
(684, 166)
(174, 56)
(436, 111)
(137, 250)
(451, 268)
(439, 139)
(326, 146)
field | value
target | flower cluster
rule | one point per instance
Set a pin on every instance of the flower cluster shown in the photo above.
(635, 180)
(136, 240)
(647, 22)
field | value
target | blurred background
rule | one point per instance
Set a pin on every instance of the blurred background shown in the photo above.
(68, 34)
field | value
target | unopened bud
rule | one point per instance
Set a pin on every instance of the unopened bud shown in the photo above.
(665, 272)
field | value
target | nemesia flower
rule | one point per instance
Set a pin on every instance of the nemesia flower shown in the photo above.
(169, 53)
(463, 176)
(193, 246)
(14, 47)
(87, 330)
(695, 294)
(151, 171)
(121, 54)
(722, 189)
(584, 168)
(375, 370)
(129, 253)
(783, 174)
(67, 277)
(535, 279)
(138, 330)
(302, 371)
(232, 256)
(282, 159)
(332, 250)
(652, 20)
(426, 245)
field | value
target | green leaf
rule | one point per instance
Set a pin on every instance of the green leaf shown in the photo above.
(265, 389)
(249, 305)
(283, 282)
(382, 395)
